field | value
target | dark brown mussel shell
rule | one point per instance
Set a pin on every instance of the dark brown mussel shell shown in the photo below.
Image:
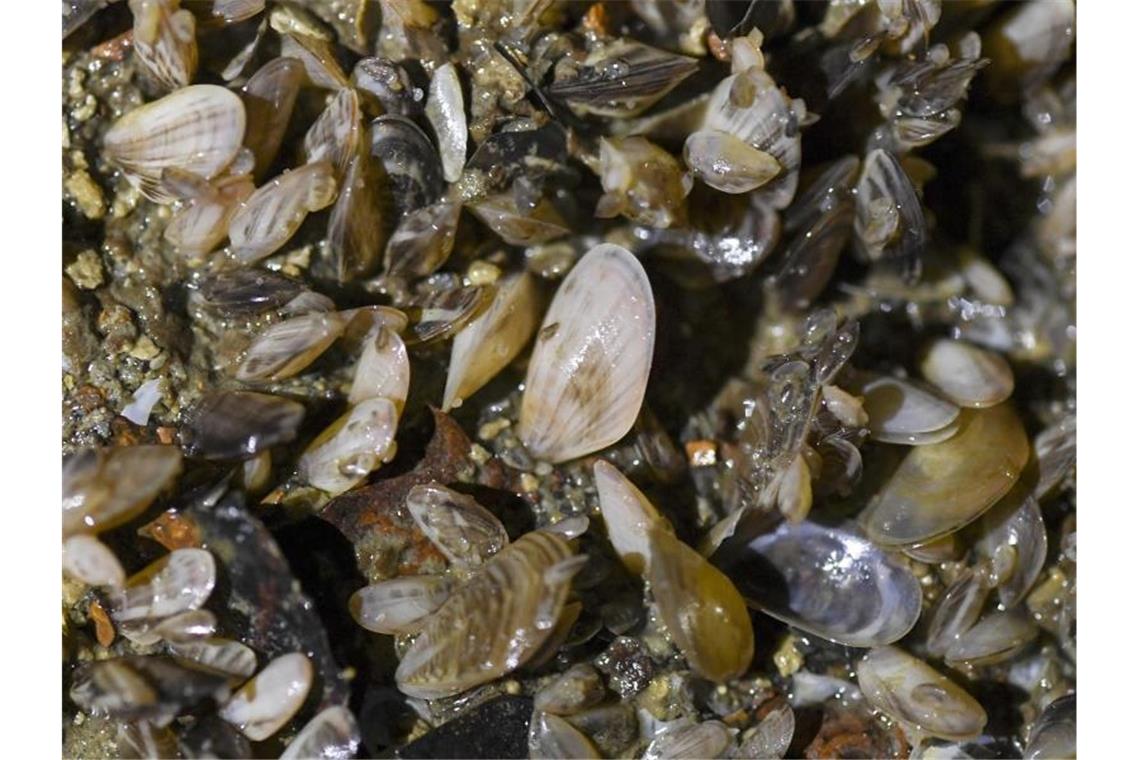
(239, 424)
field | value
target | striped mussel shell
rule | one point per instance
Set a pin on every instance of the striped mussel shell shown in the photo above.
(493, 623)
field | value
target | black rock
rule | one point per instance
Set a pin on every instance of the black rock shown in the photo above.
(498, 728)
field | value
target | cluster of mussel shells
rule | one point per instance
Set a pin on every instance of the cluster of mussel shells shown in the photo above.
(387, 162)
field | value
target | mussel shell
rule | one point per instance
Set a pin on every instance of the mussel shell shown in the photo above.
(267, 702)
(106, 488)
(995, 638)
(399, 605)
(269, 97)
(968, 375)
(239, 424)
(1016, 523)
(331, 735)
(138, 687)
(884, 182)
(553, 737)
(414, 174)
(827, 580)
(622, 79)
(465, 531)
(1054, 733)
(246, 292)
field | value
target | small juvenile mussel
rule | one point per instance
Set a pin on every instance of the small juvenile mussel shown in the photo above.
(505, 378)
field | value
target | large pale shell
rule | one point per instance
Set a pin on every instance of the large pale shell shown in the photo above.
(180, 581)
(590, 365)
(399, 605)
(971, 376)
(629, 515)
(164, 43)
(1015, 525)
(331, 735)
(493, 339)
(918, 696)
(106, 488)
(383, 370)
(335, 135)
(495, 622)
(466, 532)
(269, 97)
(198, 129)
(941, 487)
(553, 738)
(269, 217)
(445, 112)
(267, 702)
(201, 225)
(708, 739)
(704, 613)
(89, 560)
(351, 447)
(285, 348)
(829, 581)
(902, 412)
(995, 638)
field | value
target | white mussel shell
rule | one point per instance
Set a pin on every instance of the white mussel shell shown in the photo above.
(285, 348)
(494, 622)
(399, 605)
(187, 626)
(222, 655)
(331, 735)
(1055, 449)
(1015, 525)
(918, 696)
(269, 217)
(772, 737)
(590, 365)
(266, 703)
(727, 163)
(493, 339)
(827, 580)
(628, 514)
(203, 223)
(995, 638)
(445, 112)
(89, 560)
(164, 42)
(198, 129)
(269, 97)
(466, 532)
(571, 692)
(708, 739)
(555, 738)
(970, 376)
(383, 370)
(180, 581)
(351, 447)
(898, 410)
(106, 488)
(943, 486)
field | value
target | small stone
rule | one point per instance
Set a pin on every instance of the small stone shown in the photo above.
(145, 349)
(491, 429)
(483, 273)
(701, 453)
(86, 194)
(787, 658)
(627, 665)
(479, 455)
(528, 482)
(87, 270)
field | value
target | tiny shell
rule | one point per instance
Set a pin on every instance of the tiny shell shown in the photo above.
(239, 424)
(590, 366)
(335, 135)
(917, 695)
(89, 560)
(643, 182)
(187, 626)
(356, 223)
(995, 638)
(382, 370)
(889, 223)
(1054, 733)
(553, 738)
(941, 487)
(399, 605)
(331, 735)
(516, 226)
(445, 112)
(727, 163)
(106, 488)
(318, 58)
(704, 613)
(222, 655)
(164, 43)
(198, 129)
(351, 447)
(959, 608)
(901, 411)
(423, 240)
(971, 376)
(629, 515)
(493, 339)
(203, 223)
(285, 348)
(772, 737)
(180, 581)
(494, 622)
(708, 739)
(267, 702)
(269, 217)
(446, 312)
(1015, 523)
(269, 97)
(578, 688)
(466, 532)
